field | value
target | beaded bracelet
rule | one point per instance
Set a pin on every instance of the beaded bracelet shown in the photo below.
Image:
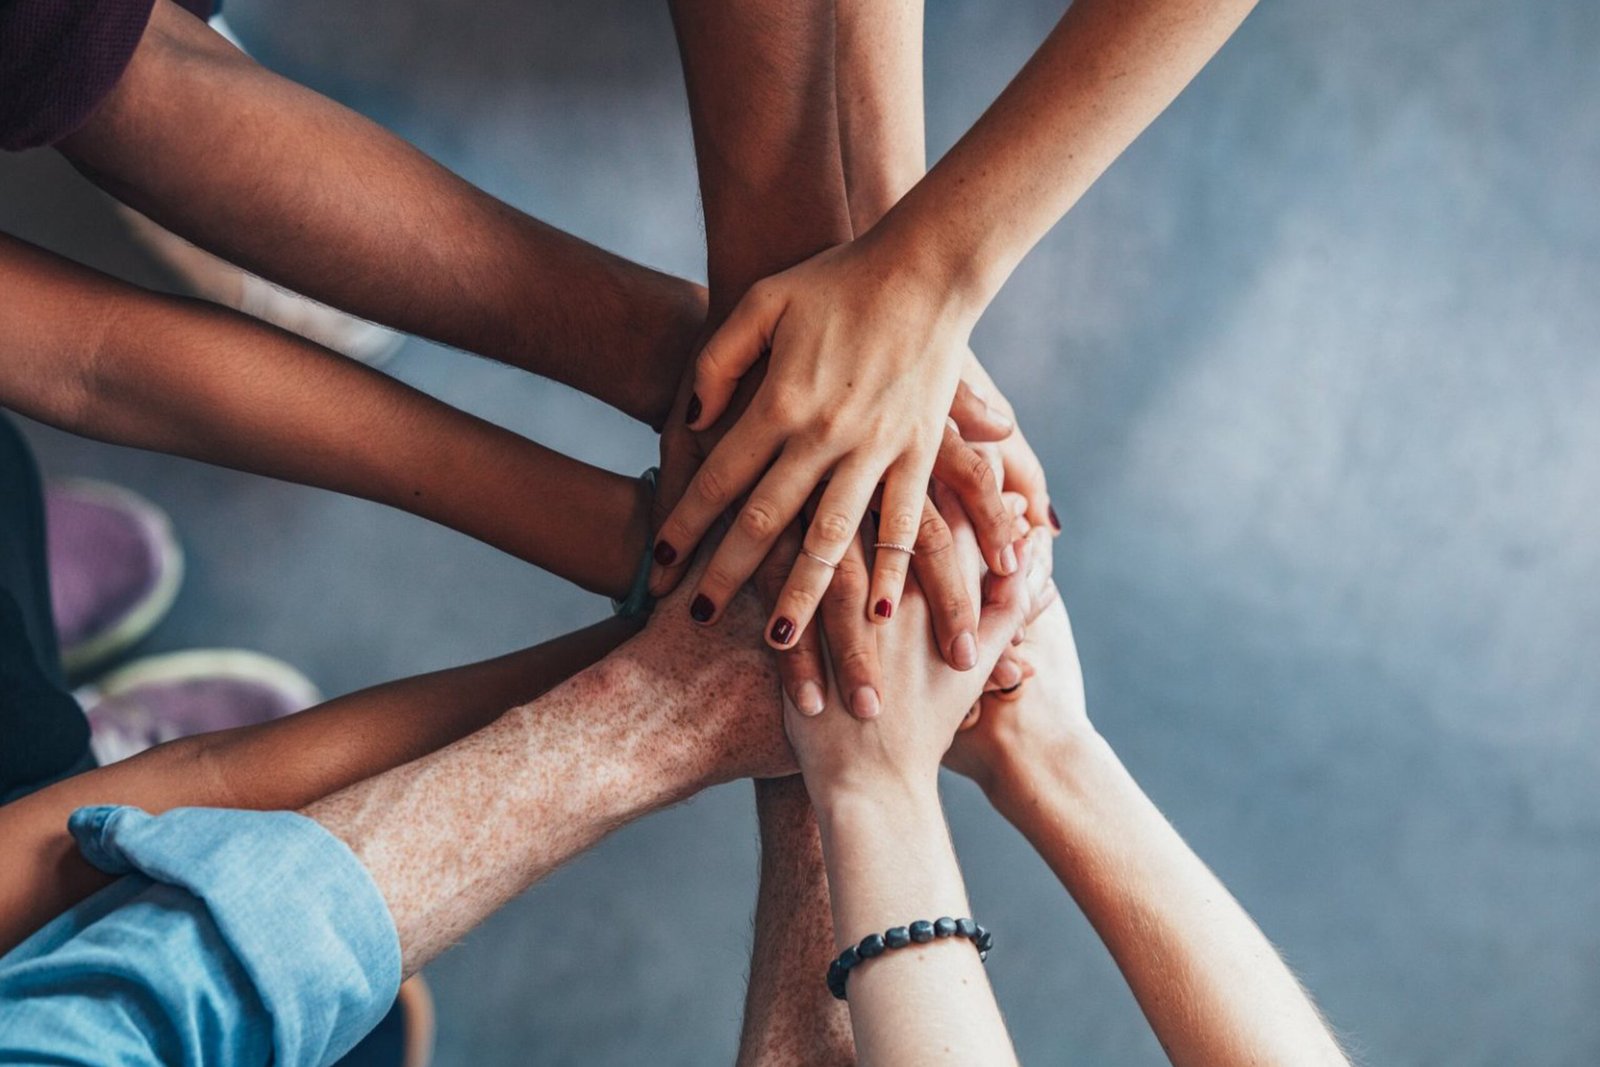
(918, 933)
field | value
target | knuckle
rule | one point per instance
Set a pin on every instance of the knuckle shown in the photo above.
(782, 404)
(833, 528)
(900, 526)
(718, 579)
(711, 488)
(952, 605)
(977, 470)
(801, 599)
(856, 661)
(849, 584)
(933, 540)
(759, 521)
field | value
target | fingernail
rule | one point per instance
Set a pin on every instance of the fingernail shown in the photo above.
(809, 699)
(1054, 522)
(1021, 527)
(1008, 674)
(883, 609)
(1019, 505)
(701, 609)
(665, 553)
(864, 702)
(1008, 560)
(1000, 418)
(691, 414)
(783, 631)
(964, 652)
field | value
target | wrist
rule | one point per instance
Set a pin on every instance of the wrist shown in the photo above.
(930, 263)
(1040, 778)
(875, 799)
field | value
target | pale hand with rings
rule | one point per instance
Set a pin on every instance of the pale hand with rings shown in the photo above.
(857, 394)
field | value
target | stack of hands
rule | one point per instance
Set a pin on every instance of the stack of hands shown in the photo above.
(839, 475)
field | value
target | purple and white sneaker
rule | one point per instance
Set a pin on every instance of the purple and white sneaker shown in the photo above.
(162, 698)
(115, 568)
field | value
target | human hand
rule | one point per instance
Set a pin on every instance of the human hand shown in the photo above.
(850, 645)
(924, 700)
(1004, 735)
(1013, 459)
(860, 381)
(722, 678)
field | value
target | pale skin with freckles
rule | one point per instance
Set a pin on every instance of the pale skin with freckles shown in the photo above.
(1212, 986)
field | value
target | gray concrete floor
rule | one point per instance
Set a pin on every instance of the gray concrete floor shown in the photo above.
(1314, 373)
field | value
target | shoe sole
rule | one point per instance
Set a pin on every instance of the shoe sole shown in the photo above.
(147, 612)
(203, 663)
(420, 1027)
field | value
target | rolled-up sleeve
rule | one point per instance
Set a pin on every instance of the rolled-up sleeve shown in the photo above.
(233, 937)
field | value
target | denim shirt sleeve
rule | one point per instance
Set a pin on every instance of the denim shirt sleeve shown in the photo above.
(234, 937)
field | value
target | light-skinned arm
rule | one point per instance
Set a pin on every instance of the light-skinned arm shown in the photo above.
(283, 764)
(308, 194)
(451, 837)
(883, 141)
(1214, 989)
(95, 356)
(874, 785)
(868, 341)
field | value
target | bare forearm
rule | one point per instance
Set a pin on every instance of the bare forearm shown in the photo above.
(1105, 72)
(98, 357)
(1211, 984)
(287, 763)
(309, 194)
(453, 836)
(890, 863)
(790, 1018)
(878, 75)
(761, 98)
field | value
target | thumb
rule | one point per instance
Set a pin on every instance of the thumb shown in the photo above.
(1012, 600)
(975, 420)
(730, 353)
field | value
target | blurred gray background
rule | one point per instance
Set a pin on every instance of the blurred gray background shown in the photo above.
(1314, 373)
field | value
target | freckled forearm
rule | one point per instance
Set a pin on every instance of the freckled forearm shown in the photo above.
(879, 81)
(452, 837)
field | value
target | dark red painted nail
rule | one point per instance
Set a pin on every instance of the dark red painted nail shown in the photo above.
(883, 609)
(783, 631)
(692, 414)
(665, 553)
(701, 608)
(1053, 520)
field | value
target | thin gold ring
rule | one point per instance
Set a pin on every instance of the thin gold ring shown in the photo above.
(897, 546)
(819, 559)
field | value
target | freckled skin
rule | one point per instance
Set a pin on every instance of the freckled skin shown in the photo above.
(451, 837)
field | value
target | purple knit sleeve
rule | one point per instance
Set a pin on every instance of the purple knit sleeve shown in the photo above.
(60, 58)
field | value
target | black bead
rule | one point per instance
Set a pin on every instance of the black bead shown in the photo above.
(945, 927)
(985, 940)
(897, 937)
(835, 972)
(848, 958)
(871, 945)
(966, 928)
(922, 931)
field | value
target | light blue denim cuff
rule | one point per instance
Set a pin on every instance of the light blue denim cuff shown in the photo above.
(300, 913)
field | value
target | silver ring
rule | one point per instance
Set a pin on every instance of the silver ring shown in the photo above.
(819, 559)
(897, 546)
